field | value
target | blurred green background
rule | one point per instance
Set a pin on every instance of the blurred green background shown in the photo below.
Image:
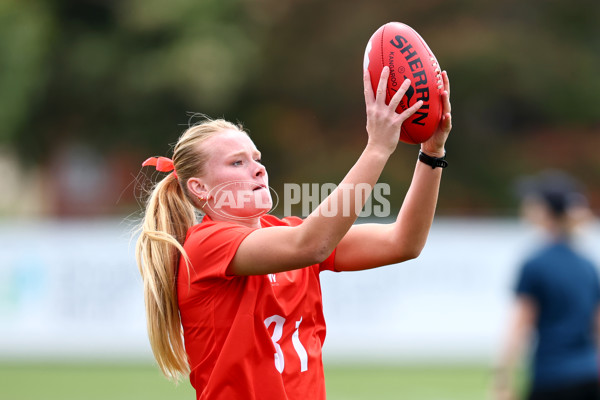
(91, 88)
(96, 86)
(139, 381)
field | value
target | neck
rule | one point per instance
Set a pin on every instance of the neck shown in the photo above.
(559, 230)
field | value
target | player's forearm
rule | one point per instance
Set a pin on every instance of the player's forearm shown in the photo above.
(416, 214)
(332, 219)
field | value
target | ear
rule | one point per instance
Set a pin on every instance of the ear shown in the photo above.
(198, 188)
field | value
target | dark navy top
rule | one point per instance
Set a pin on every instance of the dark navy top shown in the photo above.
(564, 286)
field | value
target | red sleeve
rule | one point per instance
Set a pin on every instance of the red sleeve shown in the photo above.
(328, 264)
(212, 246)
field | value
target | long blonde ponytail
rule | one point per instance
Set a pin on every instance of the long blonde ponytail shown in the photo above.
(170, 211)
(157, 254)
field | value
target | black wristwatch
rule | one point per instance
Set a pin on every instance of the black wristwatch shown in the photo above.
(433, 162)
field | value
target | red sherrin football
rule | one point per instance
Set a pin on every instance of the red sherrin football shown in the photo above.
(403, 50)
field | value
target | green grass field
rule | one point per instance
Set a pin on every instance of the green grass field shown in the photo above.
(22, 381)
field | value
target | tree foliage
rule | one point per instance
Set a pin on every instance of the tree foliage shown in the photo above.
(122, 76)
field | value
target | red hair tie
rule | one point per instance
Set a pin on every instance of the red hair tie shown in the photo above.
(162, 164)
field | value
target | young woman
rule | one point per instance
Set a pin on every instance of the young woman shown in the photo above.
(556, 311)
(235, 300)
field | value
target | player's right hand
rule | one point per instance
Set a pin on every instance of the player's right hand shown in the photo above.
(383, 123)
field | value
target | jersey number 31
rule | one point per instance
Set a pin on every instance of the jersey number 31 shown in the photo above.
(277, 333)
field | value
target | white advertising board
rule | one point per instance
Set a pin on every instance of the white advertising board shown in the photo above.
(71, 289)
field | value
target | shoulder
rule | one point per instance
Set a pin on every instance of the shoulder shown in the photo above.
(588, 264)
(543, 256)
(211, 245)
(208, 230)
(532, 269)
(535, 261)
(271, 220)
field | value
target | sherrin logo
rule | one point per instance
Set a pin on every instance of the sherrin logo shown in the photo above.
(419, 77)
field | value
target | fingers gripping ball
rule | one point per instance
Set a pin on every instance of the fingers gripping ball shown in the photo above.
(407, 55)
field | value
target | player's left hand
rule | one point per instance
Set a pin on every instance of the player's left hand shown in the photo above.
(434, 146)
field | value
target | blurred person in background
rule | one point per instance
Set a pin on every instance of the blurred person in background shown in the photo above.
(556, 311)
(235, 301)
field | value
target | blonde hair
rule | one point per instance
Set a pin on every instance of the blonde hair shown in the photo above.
(170, 211)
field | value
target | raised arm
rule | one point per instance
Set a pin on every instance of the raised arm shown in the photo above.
(405, 238)
(279, 249)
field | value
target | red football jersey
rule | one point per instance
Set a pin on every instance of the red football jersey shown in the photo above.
(250, 337)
